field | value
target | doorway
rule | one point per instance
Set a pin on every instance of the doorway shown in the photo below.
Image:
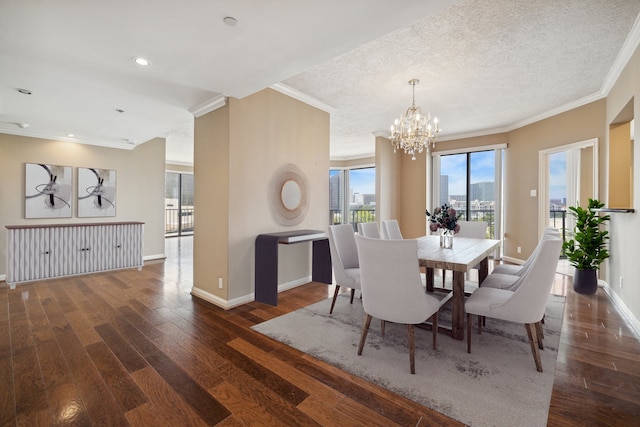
(567, 175)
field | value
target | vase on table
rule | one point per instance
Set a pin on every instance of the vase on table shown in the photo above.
(446, 238)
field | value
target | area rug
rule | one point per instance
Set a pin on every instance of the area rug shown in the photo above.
(496, 385)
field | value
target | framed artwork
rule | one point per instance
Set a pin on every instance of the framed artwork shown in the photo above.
(96, 192)
(47, 191)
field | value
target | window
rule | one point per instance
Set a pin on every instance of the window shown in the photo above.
(470, 182)
(352, 196)
(178, 206)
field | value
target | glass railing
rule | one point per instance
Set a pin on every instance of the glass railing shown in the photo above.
(178, 221)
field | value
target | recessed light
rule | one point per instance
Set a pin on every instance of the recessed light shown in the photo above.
(142, 61)
(230, 21)
(24, 91)
(22, 125)
(70, 135)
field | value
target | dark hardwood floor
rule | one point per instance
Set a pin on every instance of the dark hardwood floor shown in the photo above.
(134, 348)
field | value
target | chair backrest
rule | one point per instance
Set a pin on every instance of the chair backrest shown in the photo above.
(391, 229)
(530, 298)
(390, 280)
(475, 229)
(549, 233)
(344, 253)
(369, 229)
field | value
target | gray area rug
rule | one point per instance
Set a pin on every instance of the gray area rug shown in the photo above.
(496, 385)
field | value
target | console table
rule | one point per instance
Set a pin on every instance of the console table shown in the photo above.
(266, 257)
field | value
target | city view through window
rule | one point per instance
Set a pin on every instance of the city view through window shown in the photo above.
(360, 200)
(467, 183)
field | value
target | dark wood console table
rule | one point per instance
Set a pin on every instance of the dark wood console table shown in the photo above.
(266, 277)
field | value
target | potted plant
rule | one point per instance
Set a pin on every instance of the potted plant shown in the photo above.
(587, 250)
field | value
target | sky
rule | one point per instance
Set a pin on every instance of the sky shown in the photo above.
(455, 166)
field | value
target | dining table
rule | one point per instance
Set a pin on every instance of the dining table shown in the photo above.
(465, 254)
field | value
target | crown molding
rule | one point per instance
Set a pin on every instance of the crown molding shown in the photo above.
(209, 106)
(628, 48)
(303, 97)
(109, 143)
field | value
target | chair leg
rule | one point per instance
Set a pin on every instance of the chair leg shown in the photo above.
(363, 336)
(353, 292)
(531, 332)
(444, 275)
(382, 325)
(412, 348)
(540, 335)
(469, 332)
(434, 328)
(335, 296)
(480, 324)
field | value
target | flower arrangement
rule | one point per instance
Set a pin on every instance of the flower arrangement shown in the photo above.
(444, 217)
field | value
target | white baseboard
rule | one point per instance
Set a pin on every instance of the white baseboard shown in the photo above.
(513, 260)
(627, 315)
(229, 304)
(3, 277)
(152, 257)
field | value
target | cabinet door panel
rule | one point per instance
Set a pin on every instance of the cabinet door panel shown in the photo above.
(99, 243)
(28, 254)
(66, 257)
(129, 238)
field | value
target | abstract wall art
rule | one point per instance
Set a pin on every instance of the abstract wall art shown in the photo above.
(47, 191)
(96, 192)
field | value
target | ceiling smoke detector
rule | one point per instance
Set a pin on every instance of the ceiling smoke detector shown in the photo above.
(22, 125)
(24, 91)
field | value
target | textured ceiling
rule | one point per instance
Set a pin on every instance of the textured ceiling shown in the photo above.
(483, 65)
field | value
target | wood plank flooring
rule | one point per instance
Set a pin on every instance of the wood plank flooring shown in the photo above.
(134, 348)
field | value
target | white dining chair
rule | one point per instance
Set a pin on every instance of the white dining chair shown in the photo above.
(391, 229)
(369, 229)
(344, 259)
(518, 270)
(392, 290)
(524, 305)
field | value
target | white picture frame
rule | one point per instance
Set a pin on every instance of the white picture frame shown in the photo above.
(96, 192)
(47, 191)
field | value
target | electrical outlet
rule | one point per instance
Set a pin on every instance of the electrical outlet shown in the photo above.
(620, 281)
(220, 283)
(519, 249)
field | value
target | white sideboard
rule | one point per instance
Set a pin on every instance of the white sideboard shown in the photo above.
(44, 251)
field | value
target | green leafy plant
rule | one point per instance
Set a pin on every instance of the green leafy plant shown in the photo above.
(587, 250)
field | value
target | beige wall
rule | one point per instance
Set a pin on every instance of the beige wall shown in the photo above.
(139, 177)
(263, 132)
(521, 168)
(625, 227)
(211, 199)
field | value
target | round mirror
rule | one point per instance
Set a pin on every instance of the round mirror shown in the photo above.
(290, 195)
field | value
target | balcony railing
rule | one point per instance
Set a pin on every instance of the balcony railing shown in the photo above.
(557, 218)
(178, 221)
(355, 216)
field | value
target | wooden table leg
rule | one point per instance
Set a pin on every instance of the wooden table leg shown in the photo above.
(483, 270)
(429, 273)
(457, 306)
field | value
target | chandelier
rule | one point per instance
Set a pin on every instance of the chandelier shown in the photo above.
(414, 131)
